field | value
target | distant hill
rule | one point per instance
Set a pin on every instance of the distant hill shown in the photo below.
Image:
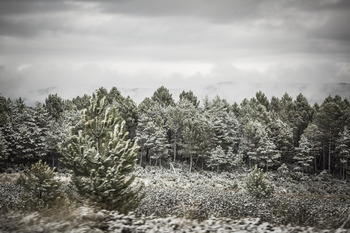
(236, 92)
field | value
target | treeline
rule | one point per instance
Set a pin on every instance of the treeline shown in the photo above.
(211, 134)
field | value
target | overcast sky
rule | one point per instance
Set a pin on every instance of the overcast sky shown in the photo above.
(73, 47)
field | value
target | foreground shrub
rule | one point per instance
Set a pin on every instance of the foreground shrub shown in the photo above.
(257, 185)
(40, 187)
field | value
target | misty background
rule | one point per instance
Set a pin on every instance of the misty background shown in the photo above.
(221, 47)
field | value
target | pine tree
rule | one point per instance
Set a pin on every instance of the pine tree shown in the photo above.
(81, 102)
(253, 134)
(127, 109)
(303, 115)
(257, 185)
(189, 96)
(275, 105)
(163, 97)
(262, 99)
(55, 106)
(343, 149)
(281, 135)
(175, 123)
(267, 154)
(40, 132)
(313, 137)
(223, 122)
(101, 158)
(3, 151)
(218, 158)
(5, 111)
(152, 138)
(18, 134)
(197, 138)
(303, 157)
(114, 95)
(41, 187)
(328, 120)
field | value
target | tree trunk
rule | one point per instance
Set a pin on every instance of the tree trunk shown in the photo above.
(315, 163)
(329, 156)
(315, 158)
(175, 149)
(191, 161)
(346, 169)
(324, 158)
(141, 156)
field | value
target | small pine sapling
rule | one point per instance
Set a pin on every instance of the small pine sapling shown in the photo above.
(40, 186)
(257, 185)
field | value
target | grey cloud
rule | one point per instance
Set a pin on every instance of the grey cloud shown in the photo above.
(46, 91)
(19, 7)
(303, 41)
(224, 79)
(220, 10)
(312, 5)
(29, 18)
(336, 27)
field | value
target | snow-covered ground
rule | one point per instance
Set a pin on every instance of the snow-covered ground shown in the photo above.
(201, 201)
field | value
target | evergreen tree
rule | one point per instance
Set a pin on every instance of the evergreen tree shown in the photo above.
(55, 106)
(218, 159)
(223, 122)
(3, 151)
(163, 97)
(235, 109)
(281, 135)
(329, 121)
(5, 111)
(189, 96)
(303, 115)
(267, 154)
(253, 134)
(197, 136)
(27, 135)
(145, 106)
(127, 109)
(343, 149)
(114, 95)
(257, 185)
(275, 105)
(41, 132)
(151, 135)
(81, 102)
(303, 157)
(313, 138)
(262, 99)
(101, 158)
(41, 187)
(18, 134)
(177, 114)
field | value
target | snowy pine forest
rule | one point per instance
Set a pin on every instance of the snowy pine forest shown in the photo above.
(279, 161)
(209, 134)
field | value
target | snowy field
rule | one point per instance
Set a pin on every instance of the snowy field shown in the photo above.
(179, 201)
